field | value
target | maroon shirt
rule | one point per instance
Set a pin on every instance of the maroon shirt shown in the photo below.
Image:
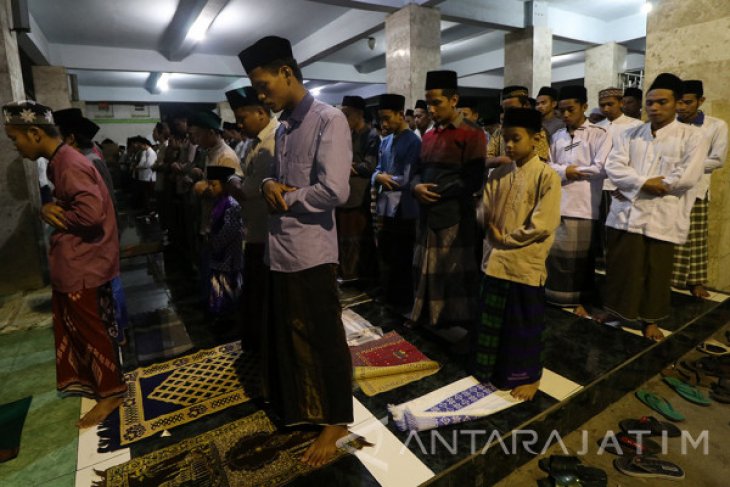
(86, 255)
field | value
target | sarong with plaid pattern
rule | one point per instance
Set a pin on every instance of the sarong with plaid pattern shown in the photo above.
(690, 259)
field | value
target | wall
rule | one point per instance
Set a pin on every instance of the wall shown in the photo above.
(122, 121)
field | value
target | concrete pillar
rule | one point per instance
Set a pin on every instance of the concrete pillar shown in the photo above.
(20, 253)
(602, 67)
(52, 87)
(528, 58)
(673, 33)
(413, 47)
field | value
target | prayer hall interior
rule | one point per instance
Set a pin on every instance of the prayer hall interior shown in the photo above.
(364, 242)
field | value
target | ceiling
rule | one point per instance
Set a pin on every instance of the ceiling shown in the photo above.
(112, 46)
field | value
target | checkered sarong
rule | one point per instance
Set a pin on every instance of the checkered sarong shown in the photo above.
(690, 259)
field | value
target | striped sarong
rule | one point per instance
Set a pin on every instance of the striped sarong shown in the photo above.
(445, 275)
(508, 343)
(571, 264)
(690, 259)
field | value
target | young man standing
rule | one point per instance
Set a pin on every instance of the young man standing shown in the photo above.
(358, 258)
(307, 362)
(655, 167)
(521, 212)
(631, 102)
(83, 259)
(411, 119)
(578, 154)
(469, 108)
(257, 124)
(547, 102)
(422, 118)
(399, 154)
(449, 173)
(690, 259)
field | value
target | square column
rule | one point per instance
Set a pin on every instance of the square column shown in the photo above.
(52, 87)
(413, 47)
(528, 58)
(602, 67)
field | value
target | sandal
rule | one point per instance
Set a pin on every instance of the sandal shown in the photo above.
(660, 405)
(687, 391)
(648, 467)
(649, 426)
(567, 470)
(720, 392)
(715, 366)
(629, 445)
(713, 347)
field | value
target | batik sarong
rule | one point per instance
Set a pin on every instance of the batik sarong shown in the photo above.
(690, 259)
(571, 264)
(356, 243)
(509, 335)
(87, 355)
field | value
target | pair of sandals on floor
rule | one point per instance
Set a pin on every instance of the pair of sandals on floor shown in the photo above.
(712, 372)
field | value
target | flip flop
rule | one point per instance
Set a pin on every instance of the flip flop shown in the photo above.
(687, 391)
(648, 467)
(715, 366)
(629, 445)
(649, 426)
(567, 470)
(713, 347)
(720, 392)
(557, 464)
(659, 404)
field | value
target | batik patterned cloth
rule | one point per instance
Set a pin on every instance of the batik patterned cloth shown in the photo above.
(571, 264)
(177, 392)
(690, 259)
(461, 401)
(388, 363)
(248, 452)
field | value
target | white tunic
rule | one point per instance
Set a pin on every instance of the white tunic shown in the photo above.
(144, 168)
(675, 153)
(614, 128)
(715, 131)
(587, 149)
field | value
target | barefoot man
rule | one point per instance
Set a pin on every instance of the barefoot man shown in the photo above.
(83, 259)
(307, 362)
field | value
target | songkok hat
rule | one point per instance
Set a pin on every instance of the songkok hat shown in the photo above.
(513, 91)
(548, 91)
(596, 111)
(141, 140)
(444, 80)
(265, 51)
(523, 117)
(70, 120)
(230, 126)
(27, 112)
(693, 87)
(245, 96)
(576, 92)
(356, 102)
(468, 102)
(609, 92)
(421, 104)
(634, 92)
(667, 81)
(392, 102)
(206, 120)
(409, 112)
(219, 173)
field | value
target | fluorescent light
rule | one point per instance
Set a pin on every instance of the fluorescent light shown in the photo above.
(200, 27)
(647, 7)
(163, 84)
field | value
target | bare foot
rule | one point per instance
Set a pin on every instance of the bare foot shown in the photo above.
(525, 392)
(324, 447)
(699, 291)
(99, 412)
(652, 332)
(582, 312)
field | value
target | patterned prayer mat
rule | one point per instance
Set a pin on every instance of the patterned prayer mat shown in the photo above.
(176, 392)
(248, 452)
(388, 363)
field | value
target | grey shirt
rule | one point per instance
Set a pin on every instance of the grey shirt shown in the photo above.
(257, 164)
(313, 154)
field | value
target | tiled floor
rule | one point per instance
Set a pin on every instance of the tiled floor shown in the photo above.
(578, 352)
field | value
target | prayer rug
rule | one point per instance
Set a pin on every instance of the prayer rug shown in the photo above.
(12, 419)
(461, 401)
(248, 452)
(388, 363)
(176, 392)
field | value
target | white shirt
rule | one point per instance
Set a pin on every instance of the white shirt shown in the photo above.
(613, 128)
(144, 168)
(715, 131)
(675, 153)
(587, 149)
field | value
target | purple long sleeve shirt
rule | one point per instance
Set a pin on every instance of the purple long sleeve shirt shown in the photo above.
(314, 155)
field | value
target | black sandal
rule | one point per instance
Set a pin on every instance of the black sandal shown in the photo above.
(649, 426)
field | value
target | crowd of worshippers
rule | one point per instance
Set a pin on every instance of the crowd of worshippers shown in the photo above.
(453, 222)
